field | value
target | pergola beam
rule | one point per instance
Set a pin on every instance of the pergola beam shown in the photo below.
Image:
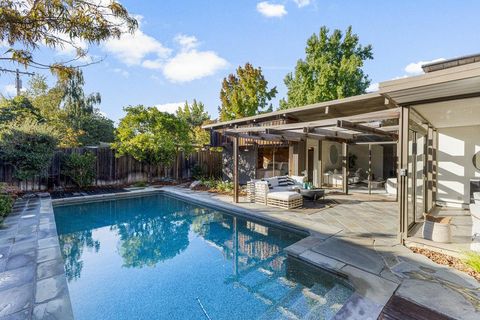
(329, 133)
(303, 135)
(365, 129)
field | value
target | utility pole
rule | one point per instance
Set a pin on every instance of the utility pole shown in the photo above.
(18, 81)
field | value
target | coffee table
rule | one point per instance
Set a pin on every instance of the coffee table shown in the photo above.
(312, 194)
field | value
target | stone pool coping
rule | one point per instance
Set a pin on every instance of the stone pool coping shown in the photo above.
(32, 276)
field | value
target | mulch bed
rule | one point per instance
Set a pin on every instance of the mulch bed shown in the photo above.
(447, 260)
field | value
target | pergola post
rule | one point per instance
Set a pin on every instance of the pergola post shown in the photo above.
(402, 178)
(369, 168)
(235, 170)
(345, 167)
(320, 164)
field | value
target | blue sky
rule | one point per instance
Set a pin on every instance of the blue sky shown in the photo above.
(184, 49)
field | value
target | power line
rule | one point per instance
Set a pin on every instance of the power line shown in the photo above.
(18, 81)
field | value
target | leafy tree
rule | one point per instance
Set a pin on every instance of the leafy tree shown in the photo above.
(46, 100)
(331, 70)
(75, 102)
(195, 116)
(152, 136)
(70, 111)
(18, 109)
(26, 25)
(95, 128)
(81, 168)
(28, 147)
(245, 94)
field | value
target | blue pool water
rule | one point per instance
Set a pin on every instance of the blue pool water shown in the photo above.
(158, 257)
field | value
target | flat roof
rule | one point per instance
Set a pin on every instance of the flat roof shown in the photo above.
(317, 111)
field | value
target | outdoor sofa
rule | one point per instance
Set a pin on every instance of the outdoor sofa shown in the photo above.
(277, 191)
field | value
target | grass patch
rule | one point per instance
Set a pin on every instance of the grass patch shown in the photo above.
(472, 259)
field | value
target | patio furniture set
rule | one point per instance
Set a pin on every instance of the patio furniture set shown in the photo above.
(285, 192)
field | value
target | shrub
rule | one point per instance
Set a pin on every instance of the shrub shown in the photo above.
(472, 259)
(6, 203)
(81, 168)
(225, 186)
(140, 184)
(197, 172)
(28, 147)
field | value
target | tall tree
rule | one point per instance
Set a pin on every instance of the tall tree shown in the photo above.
(28, 24)
(245, 94)
(332, 69)
(195, 116)
(152, 136)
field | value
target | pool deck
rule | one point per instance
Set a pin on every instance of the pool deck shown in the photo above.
(356, 238)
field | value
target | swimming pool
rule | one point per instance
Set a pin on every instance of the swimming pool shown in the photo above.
(159, 257)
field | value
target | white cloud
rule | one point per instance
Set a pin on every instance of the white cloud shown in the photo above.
(271, 10)
(132, 49)
(123, 73)
(186, 42)
(9, 90)
(373, 87)
(169, 107)
(302, 3)
(415, 68)
(192, 65)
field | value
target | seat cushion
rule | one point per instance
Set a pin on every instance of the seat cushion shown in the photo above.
(298, 179)
(284, 195)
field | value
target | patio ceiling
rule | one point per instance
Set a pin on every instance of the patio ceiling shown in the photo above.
(362, 128)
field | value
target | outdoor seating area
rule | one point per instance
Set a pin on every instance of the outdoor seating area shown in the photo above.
(286, 192)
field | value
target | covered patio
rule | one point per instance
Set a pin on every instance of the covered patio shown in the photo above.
(416, 138)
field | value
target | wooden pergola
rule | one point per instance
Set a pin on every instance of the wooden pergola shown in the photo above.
(379, 127)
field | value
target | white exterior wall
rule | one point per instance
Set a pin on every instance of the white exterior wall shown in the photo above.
(328, 165)
(456, 147)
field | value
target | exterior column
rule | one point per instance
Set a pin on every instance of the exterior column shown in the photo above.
(235, 170)
(434, 165)
(429, 171)
(402, 181)
(320, 164)
(369, 169)
(345, 167)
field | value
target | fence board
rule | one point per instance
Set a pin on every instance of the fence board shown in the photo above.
(112, 170)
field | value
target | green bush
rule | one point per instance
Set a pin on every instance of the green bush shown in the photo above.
(6, 203)
(81, 168)
(140, 184)
(28, 147)
(472, 259)
(225, 186)
(197, 172)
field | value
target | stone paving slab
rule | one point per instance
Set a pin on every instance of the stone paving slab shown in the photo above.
(32, 276)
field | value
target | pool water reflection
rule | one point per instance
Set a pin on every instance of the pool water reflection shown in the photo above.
(158, 257)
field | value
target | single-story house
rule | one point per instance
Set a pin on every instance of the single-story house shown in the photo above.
(421, 134)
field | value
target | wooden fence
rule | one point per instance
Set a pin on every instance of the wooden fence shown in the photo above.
(111, 170)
